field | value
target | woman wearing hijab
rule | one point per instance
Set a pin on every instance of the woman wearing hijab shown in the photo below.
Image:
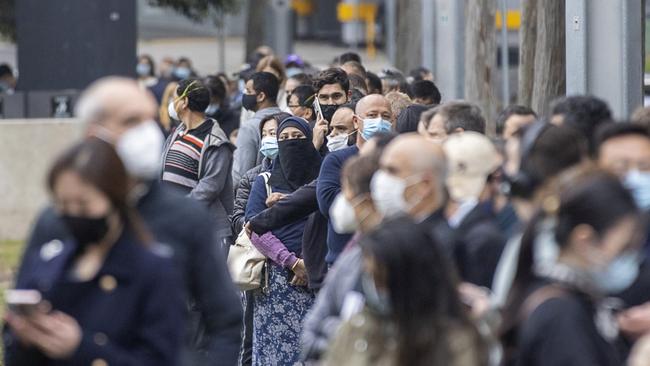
(279, 308)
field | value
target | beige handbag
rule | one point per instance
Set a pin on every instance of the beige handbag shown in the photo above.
(245, 262)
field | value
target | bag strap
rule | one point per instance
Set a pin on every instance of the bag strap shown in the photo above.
(267, 176)
(538, 297)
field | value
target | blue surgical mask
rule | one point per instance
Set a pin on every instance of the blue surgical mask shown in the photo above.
(212, 109)
(639, 185)
(619, 273)
(269, 147)
(377, 300)
(143, 70)
(182, 72)
(373, 126)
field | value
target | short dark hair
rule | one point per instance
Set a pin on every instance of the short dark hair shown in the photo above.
(349, 56)
(374, 83)
(217, 88)
(613, 130)
(418, 73)
(511, 110)
(5, 70)
(358, 82)
(467, 116)
(360, 70)
(198, 95)
(395, 79)
(333, 75)
(302, 78)
(426, 89)
(267, 83)
(305, 95)
(584, 113)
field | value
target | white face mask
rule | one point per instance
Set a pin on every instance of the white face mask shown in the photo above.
(172, 111)
(140, 149)
(387, 193)
(342, 215)
(337, 142)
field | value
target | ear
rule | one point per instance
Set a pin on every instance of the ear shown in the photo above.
(309, 114)
(582, 238)
(349, 96)
(261, 96)
(459, 130)
(355, 122)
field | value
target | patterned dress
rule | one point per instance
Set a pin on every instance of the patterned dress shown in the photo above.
(278, 314)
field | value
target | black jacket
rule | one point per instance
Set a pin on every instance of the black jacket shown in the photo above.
(213, 334)
(439, 228)
(241, 198)
(295, 207)
(479, 245)
(135, 303)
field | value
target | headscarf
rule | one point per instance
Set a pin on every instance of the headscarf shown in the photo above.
(408, 119)
(298, 162)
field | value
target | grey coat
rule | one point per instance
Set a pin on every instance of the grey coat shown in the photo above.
(214, 188)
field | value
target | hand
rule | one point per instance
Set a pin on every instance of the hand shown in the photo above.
(249, 229)
(274, 198)
(640, 353)
(477, 298)
(300, 273)
(635, 321)
(319, 132)
(56, 334)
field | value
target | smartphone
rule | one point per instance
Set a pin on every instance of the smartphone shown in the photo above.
(23, 302)
(319, 112)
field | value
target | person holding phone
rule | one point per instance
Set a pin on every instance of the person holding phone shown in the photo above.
(109, 295)
(332, 88)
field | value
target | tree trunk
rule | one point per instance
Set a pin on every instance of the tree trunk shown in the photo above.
(527, 40)
(549, 81)
(480, 58)
(255, 24)
(408, 53)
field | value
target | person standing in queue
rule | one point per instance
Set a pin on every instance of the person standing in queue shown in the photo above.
(279, 309)
(106, 297)
(197, 158)
(118, 111)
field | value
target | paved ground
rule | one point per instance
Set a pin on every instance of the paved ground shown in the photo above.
(204, 52)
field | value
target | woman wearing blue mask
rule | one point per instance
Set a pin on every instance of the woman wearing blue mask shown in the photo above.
(279, 309)
(557, 311)
(413, 314)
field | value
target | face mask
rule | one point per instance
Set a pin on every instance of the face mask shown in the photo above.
(86, 230)
(388, 194)
(372, 126)
(182, 73)
(212, 109)
(337, 142)
(342, 215)
(291, 71)
(377, 300)
(143, 70)
(328, 110)
(140, 149)
(249, 102)
(269, 147)
(619, 273)
(171, 109)
(639, 185)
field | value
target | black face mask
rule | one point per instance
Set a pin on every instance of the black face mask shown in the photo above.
(86, 230)
(328, 111)
(298, 163)
(249, 102)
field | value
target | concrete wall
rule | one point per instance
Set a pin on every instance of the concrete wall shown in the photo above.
(27, 148)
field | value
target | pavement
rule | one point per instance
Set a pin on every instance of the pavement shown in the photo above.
(203, 51)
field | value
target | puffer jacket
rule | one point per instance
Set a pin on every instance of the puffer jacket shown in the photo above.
(241, 195)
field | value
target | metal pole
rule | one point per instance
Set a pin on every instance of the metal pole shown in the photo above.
(391, 34)
(505, 62)
(356, 26)
(576, 46)
(222, 43)
(427, 23)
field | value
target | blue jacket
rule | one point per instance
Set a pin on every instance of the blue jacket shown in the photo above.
(213, 331)
(290, 234)
(131, 313)
(329, 185)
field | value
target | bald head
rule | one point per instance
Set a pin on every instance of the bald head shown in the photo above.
(422, 164)
(370, 107)
(372, 102)
(116, 104)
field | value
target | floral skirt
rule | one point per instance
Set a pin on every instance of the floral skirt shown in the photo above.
(278, 314)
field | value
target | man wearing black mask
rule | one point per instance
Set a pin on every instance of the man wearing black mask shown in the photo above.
(332, 90)
(260, 96)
